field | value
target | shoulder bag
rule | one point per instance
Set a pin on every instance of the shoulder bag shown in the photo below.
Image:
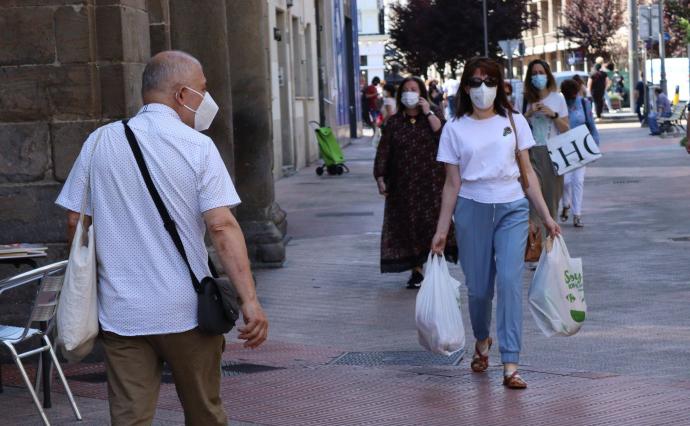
(534, 235)
(521, 167)
(218, 307)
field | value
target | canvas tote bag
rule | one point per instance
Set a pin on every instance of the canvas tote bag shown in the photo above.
(77, 311)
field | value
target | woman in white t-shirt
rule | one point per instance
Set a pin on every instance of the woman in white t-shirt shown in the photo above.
(547, 112)
(480, 154)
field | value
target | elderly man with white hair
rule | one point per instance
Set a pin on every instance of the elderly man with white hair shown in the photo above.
(147, 303)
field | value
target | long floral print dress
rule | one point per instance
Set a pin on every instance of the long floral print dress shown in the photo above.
(406, 159)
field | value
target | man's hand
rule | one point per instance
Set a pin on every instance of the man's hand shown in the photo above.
(228, 240)
(255, 330)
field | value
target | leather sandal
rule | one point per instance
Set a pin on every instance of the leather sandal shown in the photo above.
(480, 362)
(577, 222)
(514, 381)
(564, 214)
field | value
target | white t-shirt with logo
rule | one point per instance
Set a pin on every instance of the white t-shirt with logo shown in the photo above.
(484, 150)
(543, 127)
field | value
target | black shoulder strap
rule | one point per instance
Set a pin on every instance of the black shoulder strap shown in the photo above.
(168, 223)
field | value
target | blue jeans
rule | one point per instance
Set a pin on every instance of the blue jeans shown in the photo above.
(653, 123)
(491, 242)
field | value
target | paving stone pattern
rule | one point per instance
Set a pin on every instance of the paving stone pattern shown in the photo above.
(628, 364)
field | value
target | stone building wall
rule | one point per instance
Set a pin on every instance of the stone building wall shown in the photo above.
(59, 80)
(69, 66)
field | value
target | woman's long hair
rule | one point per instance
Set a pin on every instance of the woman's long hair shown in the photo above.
(423, 93)
(492, 69)
(531, 92)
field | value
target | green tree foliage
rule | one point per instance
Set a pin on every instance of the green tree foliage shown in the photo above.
(440, 32)
(677, 15)
(592, 24)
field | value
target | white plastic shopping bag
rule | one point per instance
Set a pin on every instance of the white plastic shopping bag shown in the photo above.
(437, 311)
(557, 296)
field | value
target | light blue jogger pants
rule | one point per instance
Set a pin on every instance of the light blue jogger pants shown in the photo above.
(491, 242)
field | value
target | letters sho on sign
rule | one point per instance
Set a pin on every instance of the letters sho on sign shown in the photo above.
(572, 150)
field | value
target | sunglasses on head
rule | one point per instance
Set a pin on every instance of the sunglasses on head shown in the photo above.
(476, 82)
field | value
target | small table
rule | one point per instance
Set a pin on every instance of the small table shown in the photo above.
(22, 259)
(30, 260)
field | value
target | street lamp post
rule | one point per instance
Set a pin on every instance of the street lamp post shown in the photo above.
(633, 64)
(486, 30)
(662, 48)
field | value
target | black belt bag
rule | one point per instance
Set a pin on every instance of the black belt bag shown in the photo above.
(218, 307)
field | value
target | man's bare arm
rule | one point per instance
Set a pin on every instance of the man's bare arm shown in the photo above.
(72, 220)
(228, 240)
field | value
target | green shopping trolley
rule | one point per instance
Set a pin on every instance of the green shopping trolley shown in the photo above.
(331, 154)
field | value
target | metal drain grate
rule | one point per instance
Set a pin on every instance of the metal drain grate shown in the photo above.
(344, 214)
(680, 239)
(625, 181)
(373, 359)
(232, 369)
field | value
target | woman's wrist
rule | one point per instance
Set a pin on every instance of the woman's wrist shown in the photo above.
(442, 229)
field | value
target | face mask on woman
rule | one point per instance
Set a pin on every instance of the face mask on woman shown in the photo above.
(539, 81)
(483, 96)
(410, 99)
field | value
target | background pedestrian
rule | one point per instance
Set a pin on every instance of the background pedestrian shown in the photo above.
(663, 109)
(579, 113)
(435, 93)
(371, 93)
(597, 85)
(583, 88)
(450, 88)
(389, 104)
(478, 149)
(639, 98)
(409, 177)
(547, 113)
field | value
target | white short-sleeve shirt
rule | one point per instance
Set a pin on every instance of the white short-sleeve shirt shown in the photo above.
(543, 127)
(484, 150)
(144, 286)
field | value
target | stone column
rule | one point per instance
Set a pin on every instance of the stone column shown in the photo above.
(200, 29)
(262, 219)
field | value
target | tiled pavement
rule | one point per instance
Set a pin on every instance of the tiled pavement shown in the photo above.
(627, 366)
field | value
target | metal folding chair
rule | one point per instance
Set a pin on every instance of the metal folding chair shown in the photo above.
(51, 278)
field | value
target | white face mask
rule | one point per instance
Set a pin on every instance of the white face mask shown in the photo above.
(205, 112)
(483, 97)
(410, 99)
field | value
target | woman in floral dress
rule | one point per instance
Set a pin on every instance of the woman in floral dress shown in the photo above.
(411, 179)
